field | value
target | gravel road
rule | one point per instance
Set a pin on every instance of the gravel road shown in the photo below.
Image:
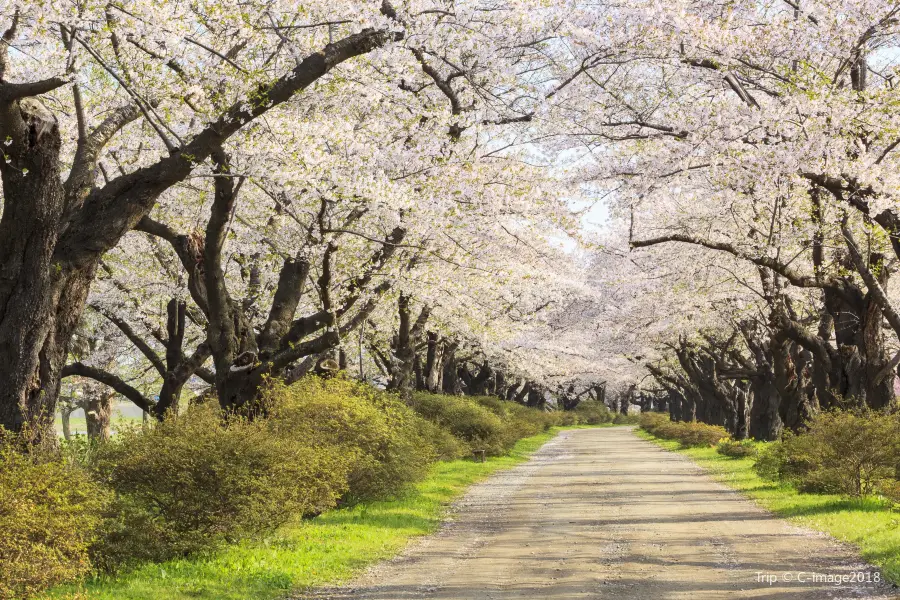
(600, 513)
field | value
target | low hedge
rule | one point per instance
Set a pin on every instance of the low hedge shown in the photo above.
(387, 444)
(196, 481)
(737, 448)
(688, 433)
(475, 425)
(593, 413)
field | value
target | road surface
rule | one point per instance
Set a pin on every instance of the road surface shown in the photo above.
(600, 513)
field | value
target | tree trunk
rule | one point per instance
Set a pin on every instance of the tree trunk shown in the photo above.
(536, 398)
(765, 421)
(98, 414)
(742, 392)
(433, 364)
(66, 417)
(451, 383)
(500, 385)
(479, 384)
(879, 394)
(41, 299)
(523, 393)
(403, 355)
(676, 399)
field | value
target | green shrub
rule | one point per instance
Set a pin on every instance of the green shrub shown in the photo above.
(700, 434)
(478, 427)
(592, 412)
(621, 419)
(194, 481)
(518, 420)
(499, 407)
(483, 422)
(566, 418)
(446, 445)
(889, 489)
(50, 513)
(387, 444)
(688, 433)
(841, 452)
(651, 421)
(737, 448)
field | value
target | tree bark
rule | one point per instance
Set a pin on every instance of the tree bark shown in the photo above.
(98, 414)
(451, 383)
(66, 417)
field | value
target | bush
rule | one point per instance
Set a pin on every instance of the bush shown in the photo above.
(737, 448)
(621, 419)
(651, 421)
(446, 445)
(700, 434)
(473, 424)
(50, 513)
(566, 418)
(387, 444)
(889, 489)
(841, 452)
(593, 413)
(194, 481)
(483, 423)
(518, 420)
(689, 434)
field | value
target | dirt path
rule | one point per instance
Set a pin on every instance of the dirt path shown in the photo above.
(600, 513)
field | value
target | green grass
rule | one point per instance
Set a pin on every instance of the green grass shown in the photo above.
(867, 523)
(327, 549)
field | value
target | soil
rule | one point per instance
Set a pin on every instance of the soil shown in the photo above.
(600, 513)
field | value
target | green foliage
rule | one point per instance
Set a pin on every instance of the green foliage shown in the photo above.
(478, 427)
(621, 419)
(327, 549)
(519, 421)
(689, 434)
(387, 445)
(446, 445)
(841, 452)
(889, 489)
(195, 481)
(483, 423)
(737, 448)
(566, 418)
(592, 412)
(50, 513)
(652, 421)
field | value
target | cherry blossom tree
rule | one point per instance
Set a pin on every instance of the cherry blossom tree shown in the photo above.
(112, 110)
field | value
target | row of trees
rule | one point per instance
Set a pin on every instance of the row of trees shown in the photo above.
(213, 195)
(205, 197)
(758, 224)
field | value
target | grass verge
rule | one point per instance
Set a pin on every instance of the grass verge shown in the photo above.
(867, 523)
(327, 549)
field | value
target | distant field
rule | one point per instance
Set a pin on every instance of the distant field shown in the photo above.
(124, 411)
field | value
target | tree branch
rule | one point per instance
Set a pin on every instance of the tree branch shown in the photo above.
(291, 283)
(135, 339)
(871, 281)
(16, 91)
(108, 379)
(116, 208)
(785, 271)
